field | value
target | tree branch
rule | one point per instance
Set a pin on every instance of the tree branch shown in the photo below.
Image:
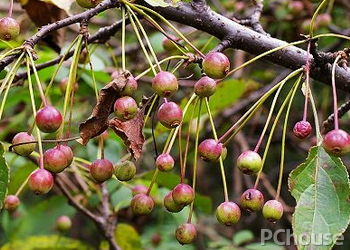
(201, 17)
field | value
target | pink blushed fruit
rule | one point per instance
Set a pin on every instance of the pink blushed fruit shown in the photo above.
(40, 181)
(165, 162)
(249, 162)
(125, 170)
(170, 115)
(125, 108)
(165, 84)
(205, 87)
(139, 189)
(9, 28)
(216, 65)
(48, 119)
(302, 129)
(228, 213)
(186, 233)
(55, 160)
(171, 205)
(63, 223)
(11, 203)
(183, 194)
(142, 204)
(210, 150)
(337, 142)
(101, 170)
(24, 149)
(252, 200)
(272, 210)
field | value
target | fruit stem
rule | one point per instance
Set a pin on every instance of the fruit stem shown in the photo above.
(291, 91)
(19, 190)
(170, 141)
(188, 140)
(32, 98)
(262, 55)
(334, 89)
(92, 72)
(307, 81)
(182, 174)
(177, 128)
(267, 123)
(8, 82)
(41, 91)
(246, 117)
(146, 38)
(71, 81)
(101, 153)
(317, 123)
(283, 141)
(312, 23)
(155, 98)
(157, 26)
(11, 8)
(45, 141)
(170, 25)
(195, 159)
(59, 66)
(162, 61)
(222, 169)
(141, 44)
(123, 38)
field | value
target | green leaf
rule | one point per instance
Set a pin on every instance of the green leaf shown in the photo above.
(226, 94)
(46, 242)
(242, 237)
(4, 176)
(127, 237)
(321, 188)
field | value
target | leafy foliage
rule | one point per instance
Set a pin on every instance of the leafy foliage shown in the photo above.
(4, 176)
(321, 188)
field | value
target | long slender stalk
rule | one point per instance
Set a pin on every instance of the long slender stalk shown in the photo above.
(123, 38)
(141, 44)
(146, 38)
(221, 162)
(37, 79)
(246, 117)
(334, 90)
(32, 98)
(283, 141)
(195, 159)
(8, 82)
(272, 131)
(312, 23)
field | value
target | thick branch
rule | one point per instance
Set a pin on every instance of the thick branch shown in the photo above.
(251, 41)
(86, 15)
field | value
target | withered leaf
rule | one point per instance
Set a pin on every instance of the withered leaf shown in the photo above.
(98, 121)
(131, 133)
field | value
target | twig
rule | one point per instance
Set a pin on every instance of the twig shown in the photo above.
(328, 124)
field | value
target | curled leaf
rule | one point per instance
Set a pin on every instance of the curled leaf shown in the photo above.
(131, 133)
(97, 123)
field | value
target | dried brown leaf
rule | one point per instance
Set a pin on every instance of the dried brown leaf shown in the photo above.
(131, 133)
(98, 121)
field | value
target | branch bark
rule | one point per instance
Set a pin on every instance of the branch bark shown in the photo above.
(201, 17)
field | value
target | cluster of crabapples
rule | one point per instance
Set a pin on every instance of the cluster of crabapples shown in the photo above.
(215, 66)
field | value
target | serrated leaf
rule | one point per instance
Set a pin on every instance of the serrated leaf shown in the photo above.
(46, 242)
(4, 176)
(265, 246)
(321, 188)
